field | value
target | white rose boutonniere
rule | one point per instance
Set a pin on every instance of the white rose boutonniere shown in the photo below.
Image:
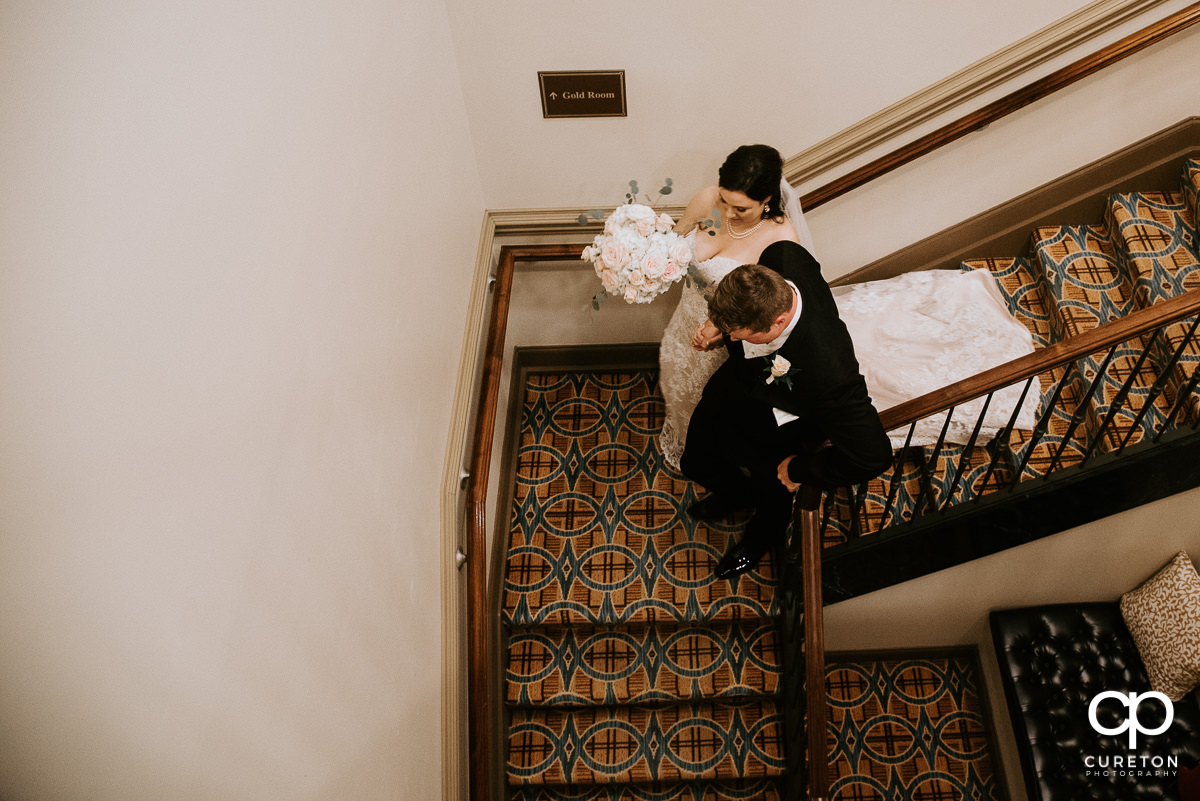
(779, 369)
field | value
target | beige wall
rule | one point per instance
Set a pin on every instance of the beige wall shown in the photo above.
(235, 240)
(702, 78)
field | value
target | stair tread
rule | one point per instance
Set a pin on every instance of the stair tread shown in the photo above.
(729, 790)
(618, 547)
(1093, 285)
(627, 744)
(642, 664)
(1157, 243)
(1024, 292)
(625, 576)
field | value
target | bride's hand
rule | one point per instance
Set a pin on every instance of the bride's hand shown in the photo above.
(707, 336)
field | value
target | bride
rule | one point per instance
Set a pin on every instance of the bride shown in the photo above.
(912, 334)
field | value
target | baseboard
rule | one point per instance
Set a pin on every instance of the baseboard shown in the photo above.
(632, 356)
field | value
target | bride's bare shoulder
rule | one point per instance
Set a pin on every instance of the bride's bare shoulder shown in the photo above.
(709, 194)
(698, 208)
(783, 230)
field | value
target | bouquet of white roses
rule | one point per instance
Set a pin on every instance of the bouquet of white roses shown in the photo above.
(638, 257)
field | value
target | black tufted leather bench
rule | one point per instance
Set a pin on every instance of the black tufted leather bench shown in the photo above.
(1054, 660)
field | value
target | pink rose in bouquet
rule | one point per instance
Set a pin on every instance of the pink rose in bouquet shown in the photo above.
(639, 256)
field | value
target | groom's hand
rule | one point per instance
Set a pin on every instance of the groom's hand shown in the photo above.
(792, 486)
(707, 336)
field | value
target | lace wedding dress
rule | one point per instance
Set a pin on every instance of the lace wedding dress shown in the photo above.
(682, 370)
(912, 334)
(921, 331)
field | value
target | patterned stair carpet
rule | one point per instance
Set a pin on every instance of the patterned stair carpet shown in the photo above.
(631, 673)
(909, 727)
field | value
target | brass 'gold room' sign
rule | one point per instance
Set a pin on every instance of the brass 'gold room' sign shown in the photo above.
(583, 93)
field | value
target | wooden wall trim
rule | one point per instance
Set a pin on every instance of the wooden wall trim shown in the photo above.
(482, 706)
(1020, 58)
(976, 120)
(455, 749)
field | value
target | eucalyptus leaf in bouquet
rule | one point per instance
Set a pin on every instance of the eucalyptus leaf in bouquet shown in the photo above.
(639, 256)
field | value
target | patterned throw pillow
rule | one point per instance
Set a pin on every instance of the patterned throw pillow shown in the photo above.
(1163, 616)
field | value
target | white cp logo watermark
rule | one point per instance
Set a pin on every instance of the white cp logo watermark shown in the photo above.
(1131, 724)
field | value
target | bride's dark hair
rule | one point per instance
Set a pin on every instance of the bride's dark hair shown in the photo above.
(756, 171)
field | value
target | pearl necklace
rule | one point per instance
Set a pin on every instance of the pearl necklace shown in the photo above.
(744, 234)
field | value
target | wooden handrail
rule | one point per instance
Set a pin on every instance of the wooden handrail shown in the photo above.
(478, 641)
(1021, 369)
(1059, 79)
(808, 503)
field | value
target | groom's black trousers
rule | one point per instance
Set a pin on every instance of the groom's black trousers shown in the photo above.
(734, 448)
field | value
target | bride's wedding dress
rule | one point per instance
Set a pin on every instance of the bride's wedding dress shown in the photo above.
(912, 334)
(682, 370)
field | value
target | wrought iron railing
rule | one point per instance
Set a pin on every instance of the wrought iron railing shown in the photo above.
(1124, 387)
(1128, 382)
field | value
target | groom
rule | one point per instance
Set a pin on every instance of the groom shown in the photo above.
(788, 407)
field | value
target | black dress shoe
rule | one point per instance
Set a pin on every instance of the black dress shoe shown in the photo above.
(714, 508)
(741, 558)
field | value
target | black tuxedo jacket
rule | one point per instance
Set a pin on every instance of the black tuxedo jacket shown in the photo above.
(827, 391)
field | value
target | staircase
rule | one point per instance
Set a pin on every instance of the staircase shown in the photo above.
(632, 674)
(1072, 280)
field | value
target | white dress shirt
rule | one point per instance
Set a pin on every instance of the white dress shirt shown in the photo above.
(753, 351)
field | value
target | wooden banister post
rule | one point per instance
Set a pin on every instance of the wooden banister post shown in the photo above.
(809, 501)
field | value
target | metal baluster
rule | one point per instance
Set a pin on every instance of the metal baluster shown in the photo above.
(1043, 423)
(965, 455)
(927, 470)
(1180, 402)
(1001, 440)
(1160, 385)
(1081, 412)
(1181, 397)
(897, 471)
(1118, 404)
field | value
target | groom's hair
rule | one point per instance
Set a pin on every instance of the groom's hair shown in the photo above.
(751, 296)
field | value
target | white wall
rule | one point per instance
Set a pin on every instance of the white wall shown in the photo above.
(235, 240)
(702, 78)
